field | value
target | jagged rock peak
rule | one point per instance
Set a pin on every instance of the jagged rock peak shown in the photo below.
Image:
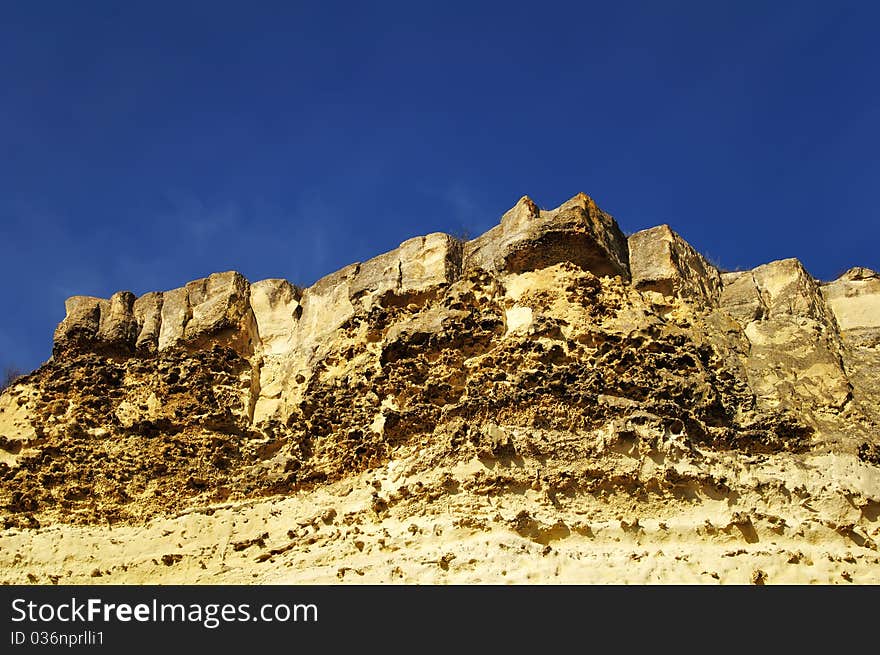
(524, 209)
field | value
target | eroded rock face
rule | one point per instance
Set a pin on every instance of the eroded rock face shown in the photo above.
(549, 354)
(854, 298)
(276, 307)
(148, 314)
(118, 325)
(174, 317)
(795, 356)
(741, 298)
(662, 261)
(217, 303)
(81, 324)
(193, 316)
(529, 238)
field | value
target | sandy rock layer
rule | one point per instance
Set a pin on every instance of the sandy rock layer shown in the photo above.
(550, 402)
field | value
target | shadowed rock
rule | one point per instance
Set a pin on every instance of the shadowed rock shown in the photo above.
(218, 303)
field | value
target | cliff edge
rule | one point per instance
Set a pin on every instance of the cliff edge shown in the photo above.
(545, 398)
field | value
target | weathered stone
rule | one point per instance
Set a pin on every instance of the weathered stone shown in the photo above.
(81, 323)
(539, 386)
(375, 277)
(416, 266)
(787, 289)
(175, 315)
(276, 308)
(148, 315)
(854, 298)
(529, 238)
(429, 261)
(219, 302)
(857, 273)
(660, 260)
(98, 325)
(326, 304)
(740, 297)
(780, 288)
(118, 327)
(795, 355)
(518, 318)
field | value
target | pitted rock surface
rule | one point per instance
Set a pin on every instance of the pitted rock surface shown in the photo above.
(549, 384)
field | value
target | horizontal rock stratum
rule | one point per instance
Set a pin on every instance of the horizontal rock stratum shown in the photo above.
(552, 402)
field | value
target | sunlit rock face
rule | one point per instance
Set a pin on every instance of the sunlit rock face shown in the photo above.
(549, 384)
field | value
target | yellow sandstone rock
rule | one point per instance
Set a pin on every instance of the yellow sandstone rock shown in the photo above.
(549, 402)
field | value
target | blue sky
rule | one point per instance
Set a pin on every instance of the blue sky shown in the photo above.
(147, 144)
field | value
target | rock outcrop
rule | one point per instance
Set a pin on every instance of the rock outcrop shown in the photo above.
(214, 309)
(529, 238)
(550, 386)
(795, 353)
(854, 299)
(663, 262)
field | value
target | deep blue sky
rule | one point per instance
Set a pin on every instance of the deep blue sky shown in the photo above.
(145, 146)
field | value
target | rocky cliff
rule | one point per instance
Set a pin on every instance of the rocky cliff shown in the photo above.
(551, 401)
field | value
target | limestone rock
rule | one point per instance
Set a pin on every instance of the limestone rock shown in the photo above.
(660, 260)
(175, 314)
(428, 262)
(220, 305)
(418, 265)
(276, 307)
(148, 314)
(741, 298)
(213, 308)
(795, 355)
(79, 329)
(98, 325)
(857, 273)
(118, 325)
(375, 277)
(529, 238)
(520, 391)
(854, 298)
(787, 289)
(326, 304)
